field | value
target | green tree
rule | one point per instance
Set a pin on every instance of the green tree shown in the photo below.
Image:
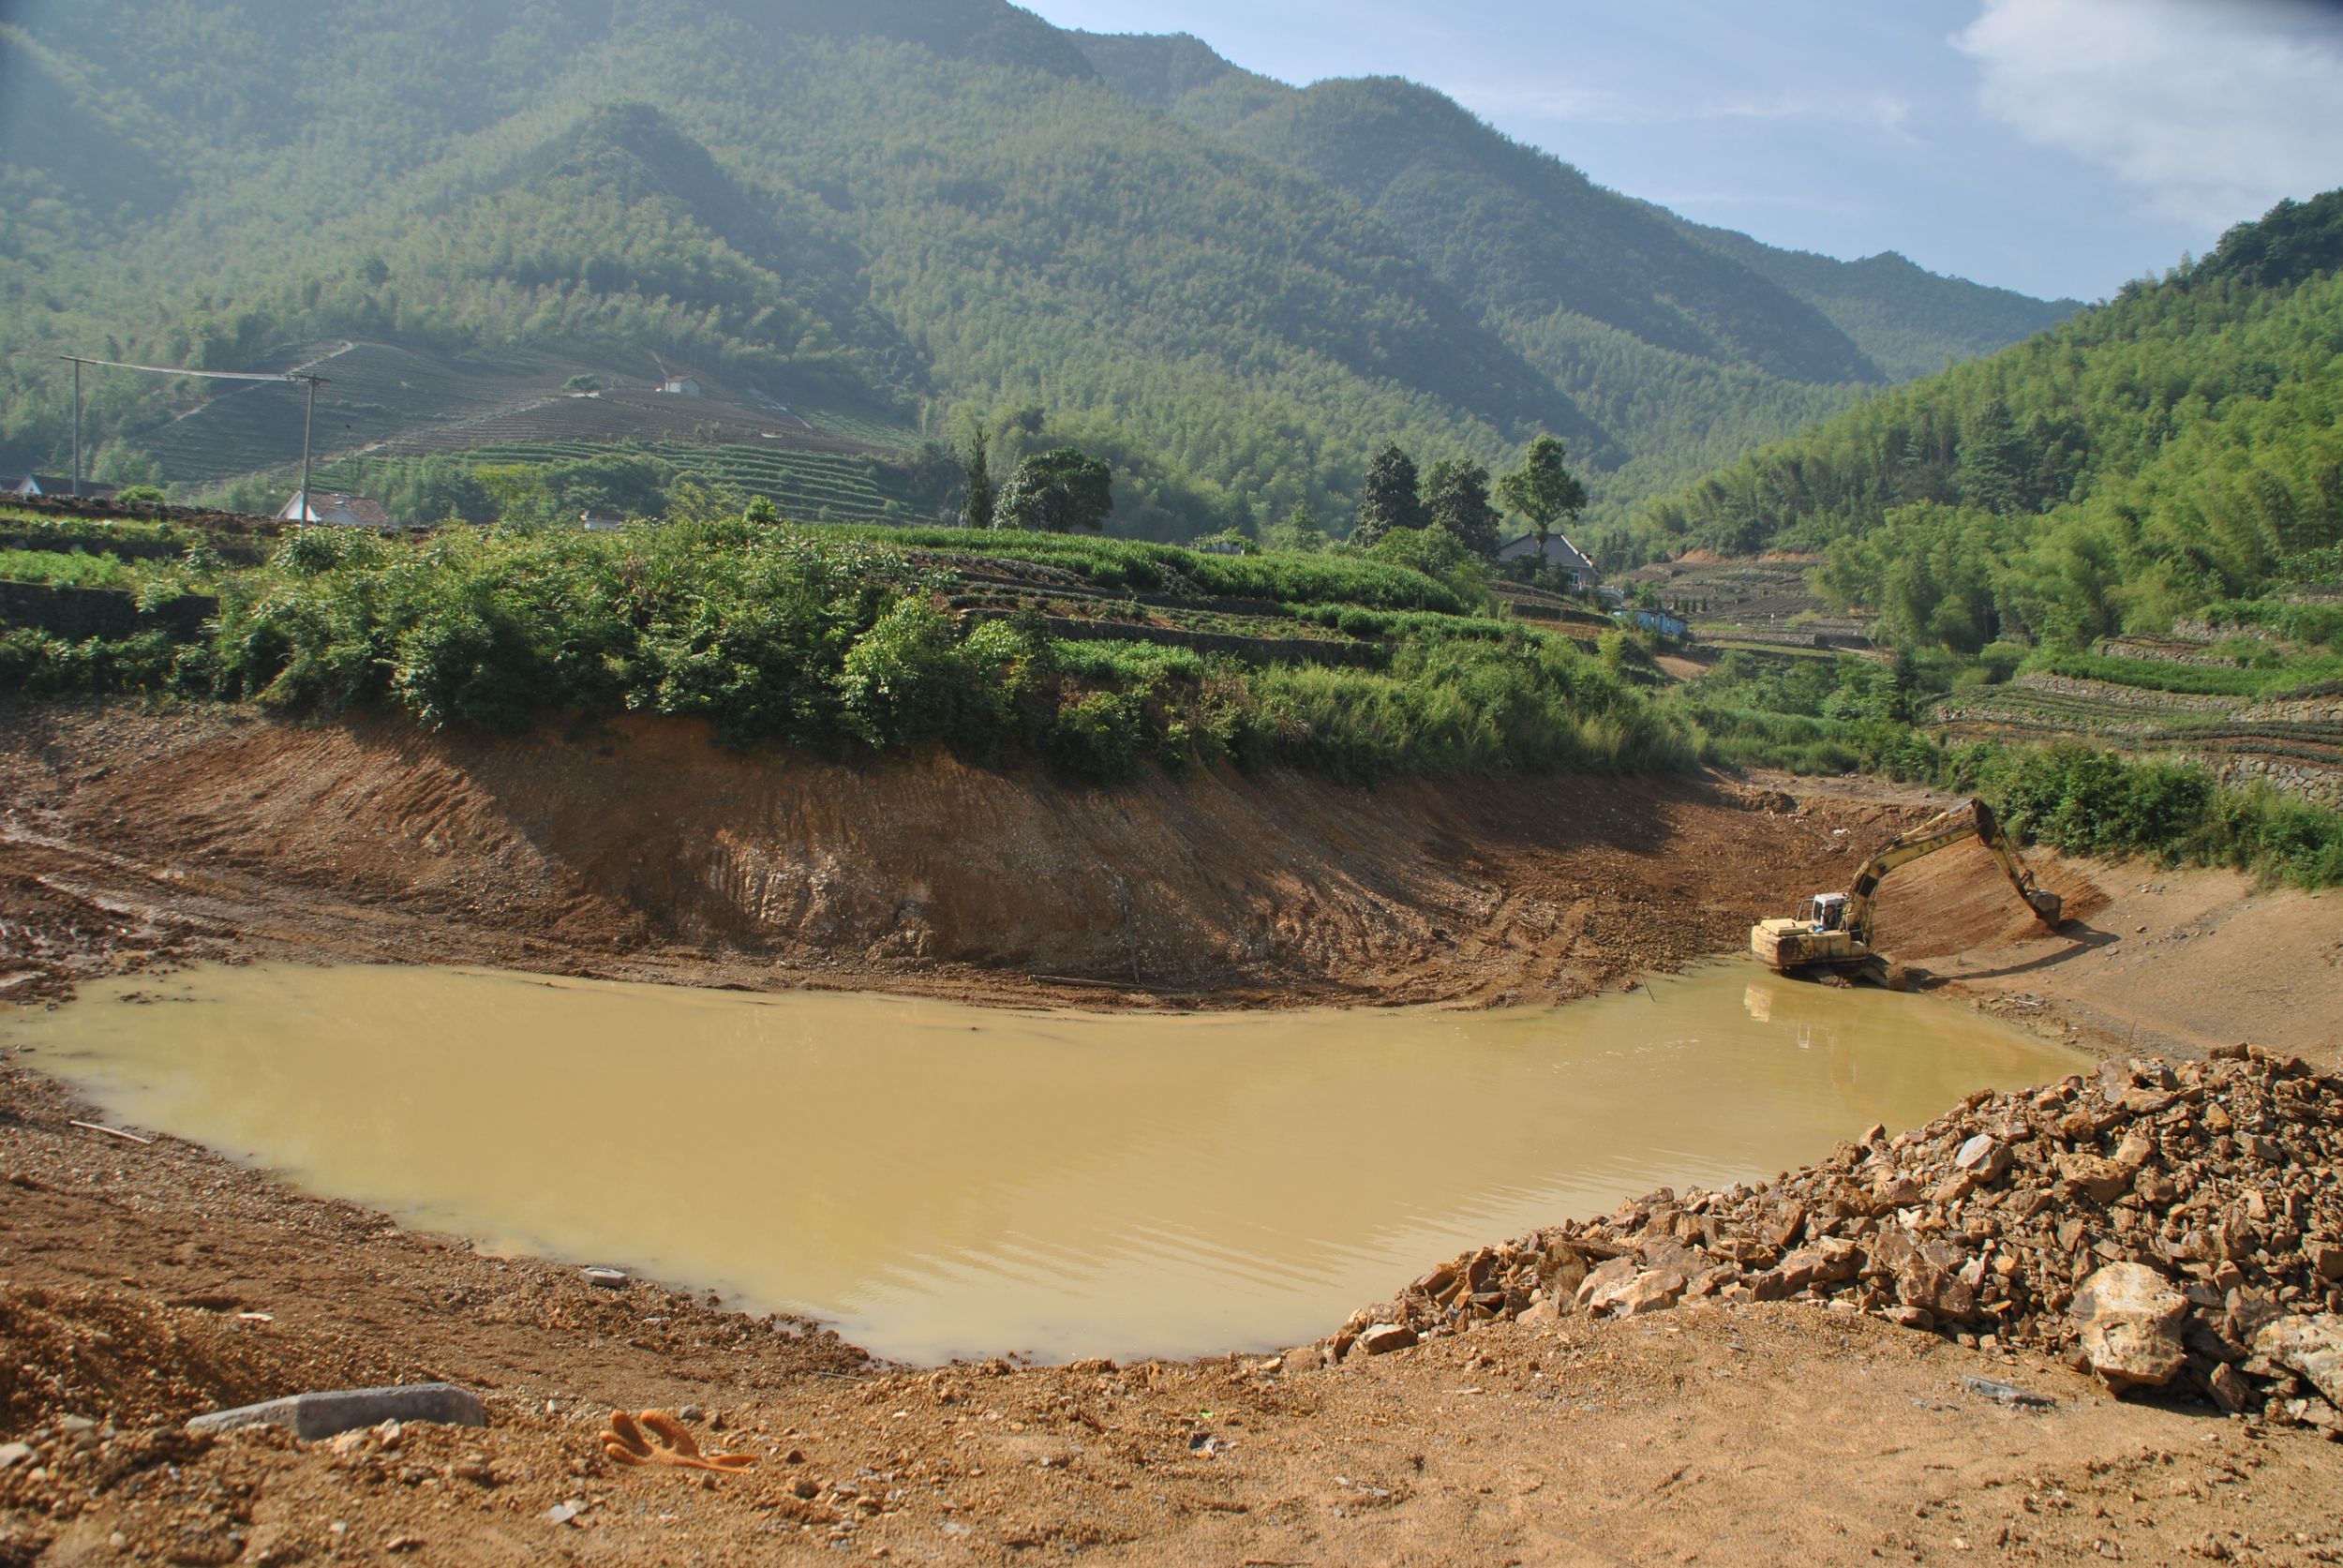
(1993, 457)
(1057, 492)
(1299, 531)
(1456, 495)
(1440, 556)
(1390, 499)
(977, 512)
(1543, 490)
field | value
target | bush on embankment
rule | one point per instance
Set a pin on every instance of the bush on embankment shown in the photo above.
(840, 640)
(2076, 797)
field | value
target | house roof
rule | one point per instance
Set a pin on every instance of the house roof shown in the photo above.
(61, 485)
(336, 507)
(1558, 547)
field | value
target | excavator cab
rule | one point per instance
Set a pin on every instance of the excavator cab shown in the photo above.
(1824, 912)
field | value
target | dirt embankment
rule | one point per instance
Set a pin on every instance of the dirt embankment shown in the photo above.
(642, 851)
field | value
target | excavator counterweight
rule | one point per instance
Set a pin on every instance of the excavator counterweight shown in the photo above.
(1833, 930)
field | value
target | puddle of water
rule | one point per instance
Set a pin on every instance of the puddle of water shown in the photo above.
(941, 1180)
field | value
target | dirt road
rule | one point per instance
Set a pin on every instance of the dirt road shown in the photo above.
(142, 1283)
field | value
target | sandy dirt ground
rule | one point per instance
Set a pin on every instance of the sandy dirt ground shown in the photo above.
(142, 1283)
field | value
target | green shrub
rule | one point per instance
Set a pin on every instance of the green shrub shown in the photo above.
(907, 681)
(837, 639)
(1098, 736)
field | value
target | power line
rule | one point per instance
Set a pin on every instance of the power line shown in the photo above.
(207, 375)
(308, 415)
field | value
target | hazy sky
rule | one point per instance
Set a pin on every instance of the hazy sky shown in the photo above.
(2057, 146)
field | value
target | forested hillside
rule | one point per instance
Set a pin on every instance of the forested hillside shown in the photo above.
(927, 215)
(1906, 320)
(1690, 344)
(2178, 449)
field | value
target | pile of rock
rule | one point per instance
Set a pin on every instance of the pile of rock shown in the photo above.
(2158, 1224)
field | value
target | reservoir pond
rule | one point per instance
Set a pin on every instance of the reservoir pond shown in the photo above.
(937, 1180)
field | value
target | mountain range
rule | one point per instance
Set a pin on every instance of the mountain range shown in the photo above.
(901, 219)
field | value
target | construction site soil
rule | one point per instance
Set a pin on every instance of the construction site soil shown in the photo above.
(143, 1282)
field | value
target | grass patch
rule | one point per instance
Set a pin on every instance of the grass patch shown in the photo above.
(2280, 676)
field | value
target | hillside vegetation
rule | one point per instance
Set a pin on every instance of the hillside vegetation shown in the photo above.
(1095, 657)
(930, 214)
(2177, 451)
(2126, 534)
(1687, 344)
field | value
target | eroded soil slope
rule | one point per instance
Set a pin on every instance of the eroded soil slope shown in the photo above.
(643, 851)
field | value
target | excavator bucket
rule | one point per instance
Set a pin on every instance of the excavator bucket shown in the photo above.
(2048, 907)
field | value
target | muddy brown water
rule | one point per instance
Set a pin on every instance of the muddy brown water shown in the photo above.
(940, 1180)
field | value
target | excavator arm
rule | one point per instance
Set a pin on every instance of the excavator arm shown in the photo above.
(1972, 817)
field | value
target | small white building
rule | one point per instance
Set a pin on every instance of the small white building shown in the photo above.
(599, 522)
(338, 510)
(1560, 554)
(680, 386)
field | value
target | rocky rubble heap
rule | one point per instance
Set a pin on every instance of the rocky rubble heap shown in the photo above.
(2163, 1226)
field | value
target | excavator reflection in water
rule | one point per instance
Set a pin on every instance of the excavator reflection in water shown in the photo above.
(1833, 930)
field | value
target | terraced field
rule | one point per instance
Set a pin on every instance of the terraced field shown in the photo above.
(809, 485)
(380, 399)
(1765, 602)
(865, 428)
(628, 415)
(2294, 741)
(375, 393)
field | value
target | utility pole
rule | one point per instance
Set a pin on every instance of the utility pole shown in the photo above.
(309, 417)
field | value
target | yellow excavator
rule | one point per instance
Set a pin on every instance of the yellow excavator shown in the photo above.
(1833, 930)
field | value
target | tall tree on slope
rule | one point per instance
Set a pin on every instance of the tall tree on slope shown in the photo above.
(1456, 497)
(1543, 490)
(1390, 499)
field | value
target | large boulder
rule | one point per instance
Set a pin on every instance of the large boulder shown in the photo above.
(1606, 1279)
(1934, 1289)
(2094, 1176)
(1652, 1291)
(1985, 1158)
(1383, 1338)
(2128, 1319)
(1639, 1291)
(2311, 1346)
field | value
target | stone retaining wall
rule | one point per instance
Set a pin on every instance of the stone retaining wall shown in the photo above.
(80, 613)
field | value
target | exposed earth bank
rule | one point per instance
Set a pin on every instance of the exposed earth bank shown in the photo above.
(641, 851)
(141, 1283)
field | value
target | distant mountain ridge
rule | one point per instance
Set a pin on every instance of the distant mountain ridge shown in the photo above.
(944, 212)
(1418, 157)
